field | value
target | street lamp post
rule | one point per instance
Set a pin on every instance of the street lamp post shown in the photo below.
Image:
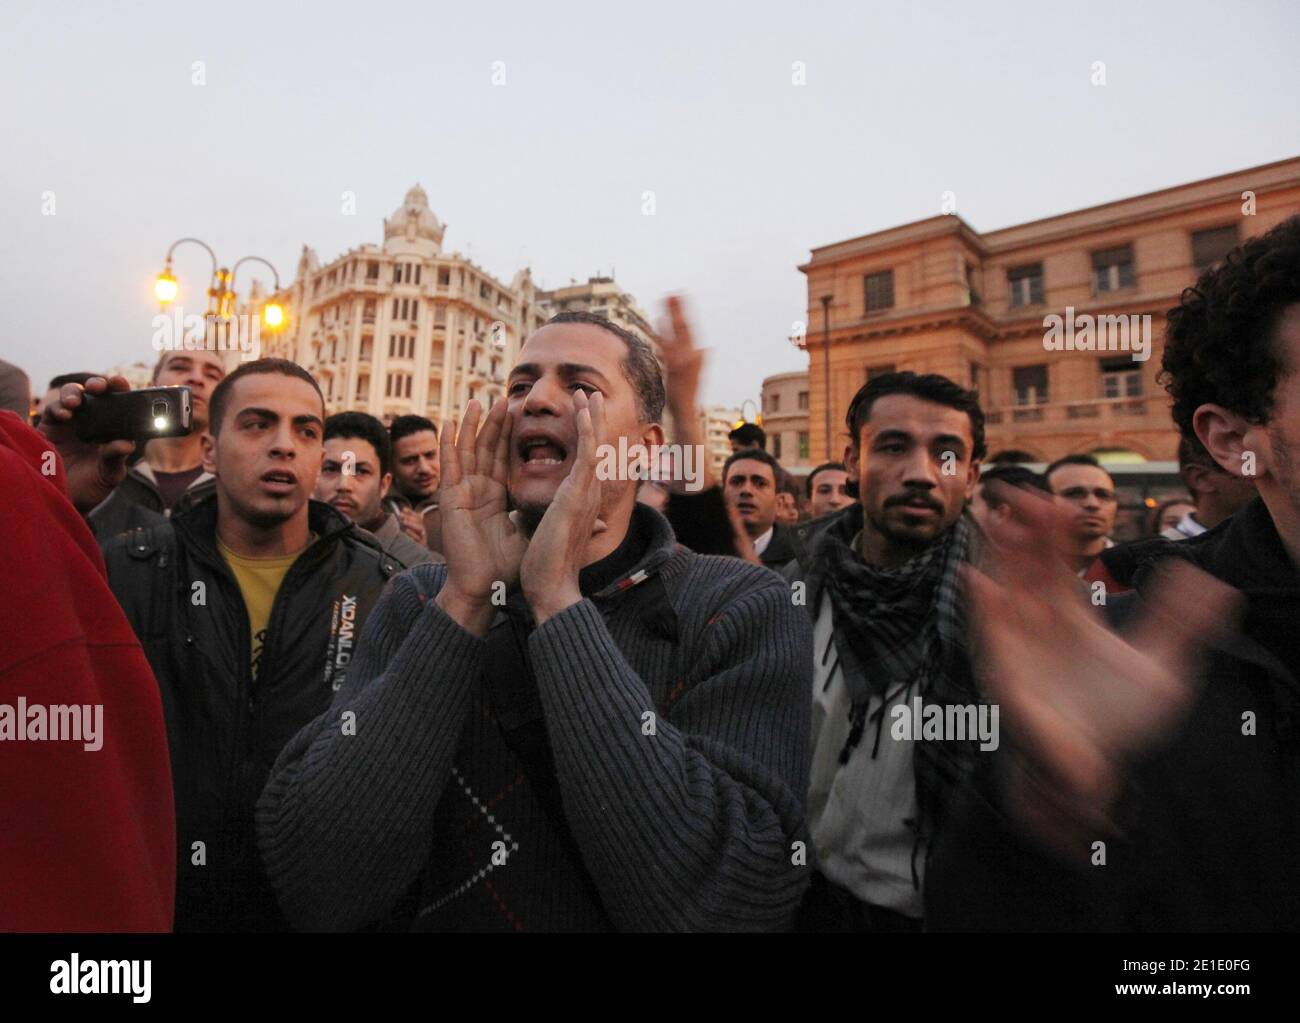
(221, 287)
(826, 354)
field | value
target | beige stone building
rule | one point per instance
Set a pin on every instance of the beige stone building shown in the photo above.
(786, 401)
(603, 296)
(937, 296)
(716, 421)
(407, 327)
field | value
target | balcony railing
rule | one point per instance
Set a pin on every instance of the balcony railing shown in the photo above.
(1119, 412)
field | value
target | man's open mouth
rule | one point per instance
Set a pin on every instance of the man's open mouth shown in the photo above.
(541, 451)
(278, 479)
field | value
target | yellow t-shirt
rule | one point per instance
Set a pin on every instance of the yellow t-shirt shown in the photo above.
(259, 580)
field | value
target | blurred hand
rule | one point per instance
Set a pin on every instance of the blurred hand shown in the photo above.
(481, 543)
(682, 361)
(1081, 699)
(558, 547)
(92, 470)
(412, 523)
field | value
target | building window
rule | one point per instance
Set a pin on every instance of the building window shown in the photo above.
(368, 311)
(1026, 284)
(372, 270)
(803, 401)
(417, 273)
(776, 446)
(880, 291)
(444, 276)
(484, 291)
(415, 309)
(1210, 246)
(1120, 378)
(804, 444)
(878, 371)
(1112, 269)
(366, 343)
(1030, 383)
(774, 403)
(971, 290)
(363, 387)
(439, 315)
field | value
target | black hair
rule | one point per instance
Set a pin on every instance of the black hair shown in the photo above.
(838, 466)
(364, 427)
(1013, 476)
(928, 386)
(640, 366)
(221, 393)
(404, 426)
(1219, 340)
(757, 455)
(749, 433)
(1071, 460)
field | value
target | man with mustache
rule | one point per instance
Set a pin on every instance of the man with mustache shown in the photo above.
(355, 478)
(249, 603)
(881, 581)
(170, 467)
(414, 494)
(576, 723)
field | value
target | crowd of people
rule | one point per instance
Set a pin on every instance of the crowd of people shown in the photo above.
(358, 675)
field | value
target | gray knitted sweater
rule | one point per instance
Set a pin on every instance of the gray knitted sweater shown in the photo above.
(681, 761)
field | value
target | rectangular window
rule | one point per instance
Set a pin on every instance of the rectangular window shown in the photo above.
(774, 403)
(880, 291)
(366, 343)
(1211, 245)
(444, 275)
(803, 401)
(439, 315)
(363, 387)
(415, 309)
(484, 291)
(776, 446)
(804, 445)
(397, 273)
(1030, 384)
(1026, 284)
(1112, 269)
(1120, 378)
(417, 273)
(372, 270)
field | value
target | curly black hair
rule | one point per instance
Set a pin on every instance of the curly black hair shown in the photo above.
(1219, 339)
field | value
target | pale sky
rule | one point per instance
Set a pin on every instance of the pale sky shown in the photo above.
(602, 102)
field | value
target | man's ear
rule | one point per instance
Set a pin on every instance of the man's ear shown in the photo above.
(384, 484)
(972, 477)
(209, 452)
(1240, 447)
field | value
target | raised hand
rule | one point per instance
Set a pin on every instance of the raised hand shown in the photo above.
(683, 365)
(557, 551)
(482, 544)
(92, 470)
(1080, 700)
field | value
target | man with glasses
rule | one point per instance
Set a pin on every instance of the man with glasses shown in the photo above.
(1081, 482)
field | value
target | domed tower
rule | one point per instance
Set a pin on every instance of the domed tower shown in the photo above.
(413, 229)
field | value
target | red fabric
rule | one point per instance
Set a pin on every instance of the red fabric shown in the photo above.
(1098, 572)
(87, 837)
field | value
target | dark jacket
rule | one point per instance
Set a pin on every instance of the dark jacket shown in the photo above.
(185, 606)
(1210, 820)
(136, 502)
(780, 549)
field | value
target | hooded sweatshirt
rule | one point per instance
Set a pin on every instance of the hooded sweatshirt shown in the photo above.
(87, 829)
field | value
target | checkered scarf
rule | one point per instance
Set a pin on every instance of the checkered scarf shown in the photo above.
(903, 628)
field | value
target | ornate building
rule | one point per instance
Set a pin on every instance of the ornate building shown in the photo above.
(937, 296)
(785, 420)
(406, 327)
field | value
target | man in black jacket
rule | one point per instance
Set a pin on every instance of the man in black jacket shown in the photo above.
(1127, 798)
(750, 481)
(249, 604)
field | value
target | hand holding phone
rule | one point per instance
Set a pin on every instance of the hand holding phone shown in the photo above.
(143, 415)
(91, 470)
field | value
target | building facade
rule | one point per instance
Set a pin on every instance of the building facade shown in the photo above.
(600, 295)
(409, 328)
(937, 296)
(786, 402)
(716, 421)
